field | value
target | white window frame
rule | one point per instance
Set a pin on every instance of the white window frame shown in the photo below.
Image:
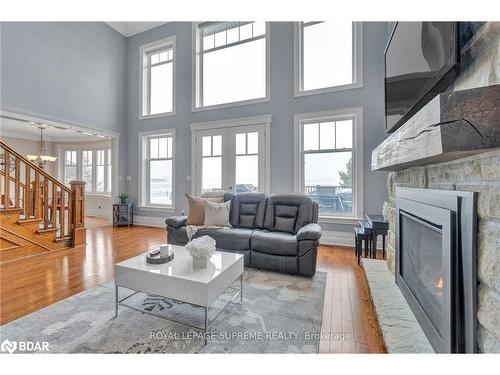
(196, 68)
(91, 186)
(79, 148)
(77, 165)
(356, 114)
(144, 202)
(357, 61)
(144, 79)
(265, 151)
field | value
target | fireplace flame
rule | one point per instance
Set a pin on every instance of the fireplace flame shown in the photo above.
(439, 283)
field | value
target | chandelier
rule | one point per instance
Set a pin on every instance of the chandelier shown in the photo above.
(41, 159)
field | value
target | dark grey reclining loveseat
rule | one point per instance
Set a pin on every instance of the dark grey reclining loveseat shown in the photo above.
(274, 232)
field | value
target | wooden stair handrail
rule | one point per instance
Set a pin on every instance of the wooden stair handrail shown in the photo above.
(32, 197)
(12, 178)
(35, 167)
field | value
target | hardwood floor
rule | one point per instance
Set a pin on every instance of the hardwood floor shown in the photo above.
(31, 283)
(348, 308)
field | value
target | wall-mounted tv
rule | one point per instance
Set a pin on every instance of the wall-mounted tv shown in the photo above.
(420, 61)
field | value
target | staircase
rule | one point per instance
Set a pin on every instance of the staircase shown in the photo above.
(38, 213)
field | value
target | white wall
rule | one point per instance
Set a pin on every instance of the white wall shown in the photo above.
(282, 107)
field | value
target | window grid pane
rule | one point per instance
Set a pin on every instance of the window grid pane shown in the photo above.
(233, 63)
(108, 172)
(327, 169)
(211, 173)
(160, 182)
(100, 171)
(87, 169)
(157, 85)
(327, 54)
(226, 33)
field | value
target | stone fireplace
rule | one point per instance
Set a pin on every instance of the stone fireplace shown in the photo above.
(435, 264)
(481, 174)
(453, 144)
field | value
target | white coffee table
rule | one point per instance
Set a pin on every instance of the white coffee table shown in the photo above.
(178, 280)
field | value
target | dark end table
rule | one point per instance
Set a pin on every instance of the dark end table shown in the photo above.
(123, 214)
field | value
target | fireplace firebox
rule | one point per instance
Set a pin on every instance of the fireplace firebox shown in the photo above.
(436, 264)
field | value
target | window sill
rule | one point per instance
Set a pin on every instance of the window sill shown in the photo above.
(326, 90)
(156, 208)
(157, 115)
(232, 104)
(338, 220)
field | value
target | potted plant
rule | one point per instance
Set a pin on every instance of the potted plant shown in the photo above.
(123, 198)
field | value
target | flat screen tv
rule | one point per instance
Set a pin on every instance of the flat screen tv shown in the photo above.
(421, 60)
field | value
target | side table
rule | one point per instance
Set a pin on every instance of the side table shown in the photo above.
(123, 214)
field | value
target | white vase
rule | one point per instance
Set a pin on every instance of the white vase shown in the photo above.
(200, 262)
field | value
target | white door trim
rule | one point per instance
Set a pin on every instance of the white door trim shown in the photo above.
(236, 122)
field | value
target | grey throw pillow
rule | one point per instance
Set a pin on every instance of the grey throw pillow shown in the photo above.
(217, 213)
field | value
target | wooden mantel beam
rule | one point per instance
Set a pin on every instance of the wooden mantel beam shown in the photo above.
(453, 125)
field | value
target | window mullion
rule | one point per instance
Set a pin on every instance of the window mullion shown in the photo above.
(94, 171)
(149, 84)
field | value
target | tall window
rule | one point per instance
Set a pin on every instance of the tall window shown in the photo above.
(328, 155)
(327, 56)
(100, 170)
(231, 62)
(157, 173)
(158, 77)
(90, 165)
(70, 166)
(87, 169)
(108, 171)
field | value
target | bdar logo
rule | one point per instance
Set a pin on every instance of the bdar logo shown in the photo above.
(8, 346)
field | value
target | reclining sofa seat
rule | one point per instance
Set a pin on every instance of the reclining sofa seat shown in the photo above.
(275, 232)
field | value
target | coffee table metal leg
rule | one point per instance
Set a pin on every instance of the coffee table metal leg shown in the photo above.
(241, 288)
(206, 324)
(116, 301)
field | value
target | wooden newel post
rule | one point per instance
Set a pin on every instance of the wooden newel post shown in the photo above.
(78, 212)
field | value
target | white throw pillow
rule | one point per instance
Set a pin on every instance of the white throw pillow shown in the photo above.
(217, 213)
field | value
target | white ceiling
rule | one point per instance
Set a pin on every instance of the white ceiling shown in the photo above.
(15, 128)
(131, 28)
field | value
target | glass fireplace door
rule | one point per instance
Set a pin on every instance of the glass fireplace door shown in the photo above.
(424, 269)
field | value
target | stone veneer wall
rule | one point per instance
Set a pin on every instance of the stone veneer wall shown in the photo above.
(480, 173)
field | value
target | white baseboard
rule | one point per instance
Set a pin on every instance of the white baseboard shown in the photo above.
(98, 213)
(342, 239)
(337, 238)
(149, 221)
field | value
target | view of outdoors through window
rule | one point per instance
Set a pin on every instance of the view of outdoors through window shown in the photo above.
(211, 163)
(160, 170)
(327, 153)
(87, 169)
(69, 166)
(161, 81)
(91, 166)
(247, 162)
(327, 54)
(233, 57)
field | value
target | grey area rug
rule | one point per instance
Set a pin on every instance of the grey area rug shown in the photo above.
(279, 314)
